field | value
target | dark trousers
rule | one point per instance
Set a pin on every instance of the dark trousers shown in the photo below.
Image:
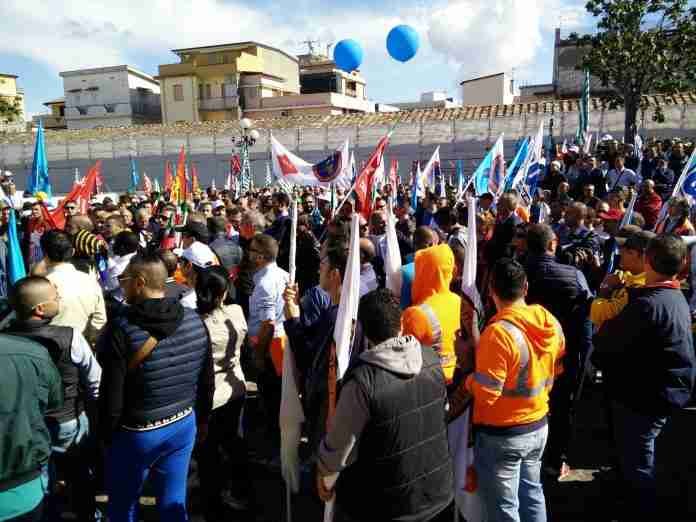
(223, 455)
(561, 412)
(635, 436)
(270, 390)
(35, 515)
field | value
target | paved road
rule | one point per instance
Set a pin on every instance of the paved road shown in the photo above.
(584, 496)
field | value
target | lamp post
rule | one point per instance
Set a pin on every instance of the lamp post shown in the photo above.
(243, 142)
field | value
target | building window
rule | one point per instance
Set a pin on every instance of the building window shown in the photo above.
(208, 91)
(178, 92)
(110, 107)
(200, 91)
(62, 111)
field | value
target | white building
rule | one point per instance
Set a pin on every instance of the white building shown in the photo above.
(428, 100)
(494, 89)
(117, 96)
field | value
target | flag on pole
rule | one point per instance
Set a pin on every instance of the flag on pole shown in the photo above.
(293, 169)
(76, 180)
(213, 188)
(584, 110)
(168, 178)
(15, 261)
(235, 164)
(372, 172)
(489, 175)
(157, 186)
(269, 177)
(134, 177)
(685, 186)
(460, 178)
(431, 173)
(587, 142)
(228, 181)
(195, 182)
(38, 180)
(291, 414)
(147, 184)
(392, 261)
(178, 195)
(628, 215)
(564, 147)
(417, 189)
(517, 163)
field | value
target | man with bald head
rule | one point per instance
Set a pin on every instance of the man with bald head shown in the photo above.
(648, 203)
(36, 302)
(157, 363)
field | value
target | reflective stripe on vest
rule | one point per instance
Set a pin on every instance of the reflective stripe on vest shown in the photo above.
(522, 389)
(436, 344)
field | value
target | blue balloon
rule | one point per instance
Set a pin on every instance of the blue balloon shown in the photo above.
(403, 42)
(348, 55)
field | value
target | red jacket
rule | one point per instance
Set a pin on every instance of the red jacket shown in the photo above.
(649, 205)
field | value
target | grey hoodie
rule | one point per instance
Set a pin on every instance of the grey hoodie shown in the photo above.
(401, 355)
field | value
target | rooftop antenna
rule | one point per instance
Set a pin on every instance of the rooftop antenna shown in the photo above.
(310, 44)
(328, 48)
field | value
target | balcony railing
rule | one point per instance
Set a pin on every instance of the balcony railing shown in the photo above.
(218, 104)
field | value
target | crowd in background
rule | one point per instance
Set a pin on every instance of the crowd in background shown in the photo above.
(154, 324)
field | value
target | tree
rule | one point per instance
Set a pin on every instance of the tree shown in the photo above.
(641, 47)
(10, 110)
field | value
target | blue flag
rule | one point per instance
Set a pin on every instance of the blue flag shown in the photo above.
(460, 177)
(134, 177)
(517, 162)
(15, 262)
(481, 175)
(38, 181)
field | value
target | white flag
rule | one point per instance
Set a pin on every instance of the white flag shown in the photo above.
(392, 261)
(293, 169)
(291, 412)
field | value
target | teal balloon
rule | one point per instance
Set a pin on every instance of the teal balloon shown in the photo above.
(348, 55)
(403, 42)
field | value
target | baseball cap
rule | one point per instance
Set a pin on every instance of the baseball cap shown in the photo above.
(196, 230)
(612, 215)
(637, 240)
(200, 255)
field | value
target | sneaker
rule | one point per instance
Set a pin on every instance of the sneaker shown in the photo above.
(558, 473)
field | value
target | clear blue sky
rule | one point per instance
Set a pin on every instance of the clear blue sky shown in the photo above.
(460, 39)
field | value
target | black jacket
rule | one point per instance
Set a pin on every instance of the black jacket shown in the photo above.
(563, 291)
(176, 375)
(500, 244)
(404, 469)
(647, 351)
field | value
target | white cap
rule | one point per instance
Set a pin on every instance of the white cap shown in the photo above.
(217, 204)
(200, 255)
(556, 164)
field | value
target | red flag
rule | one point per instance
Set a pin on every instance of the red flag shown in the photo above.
(168, 179)
(363, 184)
(394, 175)
(81, 193)
(195, 184)
(235, 164)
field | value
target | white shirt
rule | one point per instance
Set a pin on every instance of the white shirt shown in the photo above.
(368, 279)
(82, 301)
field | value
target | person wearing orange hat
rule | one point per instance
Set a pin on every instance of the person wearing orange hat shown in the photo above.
(434, 317)
(516, 362)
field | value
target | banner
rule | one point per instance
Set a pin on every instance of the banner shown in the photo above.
(293, 169)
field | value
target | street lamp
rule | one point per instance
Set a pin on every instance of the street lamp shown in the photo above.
(247, 139)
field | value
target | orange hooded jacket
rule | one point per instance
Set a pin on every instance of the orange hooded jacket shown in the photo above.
(430, 294)
(507, 392)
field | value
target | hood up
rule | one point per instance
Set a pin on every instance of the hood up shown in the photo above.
(434, 268)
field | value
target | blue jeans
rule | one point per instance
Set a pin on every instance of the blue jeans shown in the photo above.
(635, 436)
(165, 454)
(509, 475)
(71, 456)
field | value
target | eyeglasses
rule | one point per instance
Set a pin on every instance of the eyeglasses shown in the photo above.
(71, 207)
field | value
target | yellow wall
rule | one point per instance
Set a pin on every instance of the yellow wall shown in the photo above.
(8, 86)
(277, 64)
(186, 110)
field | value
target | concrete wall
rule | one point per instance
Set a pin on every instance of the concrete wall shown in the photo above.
(411, 140)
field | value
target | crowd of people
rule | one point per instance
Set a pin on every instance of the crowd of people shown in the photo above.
(132, 341)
